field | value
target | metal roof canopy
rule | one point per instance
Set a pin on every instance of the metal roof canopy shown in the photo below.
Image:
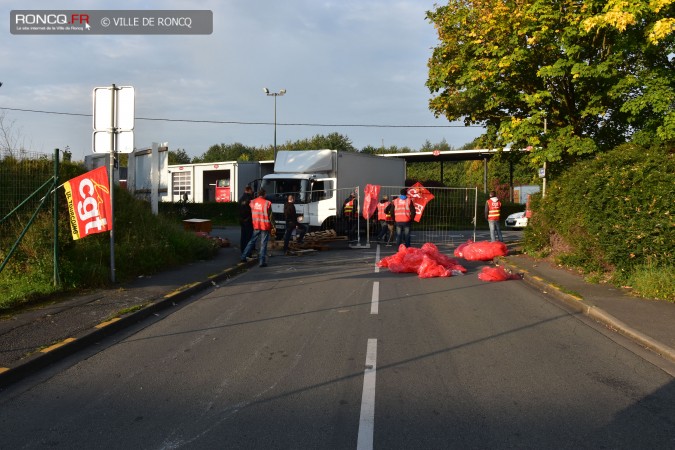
(448, 155)
(458, 155)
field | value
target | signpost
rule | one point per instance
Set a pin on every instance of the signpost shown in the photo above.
(114, 115)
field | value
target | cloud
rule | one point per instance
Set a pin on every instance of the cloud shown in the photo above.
(342, 62)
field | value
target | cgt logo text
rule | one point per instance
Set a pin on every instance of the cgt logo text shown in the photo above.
(51, 19)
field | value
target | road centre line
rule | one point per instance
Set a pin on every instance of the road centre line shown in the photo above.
(375, 299)
(377, 258)
(367, 419)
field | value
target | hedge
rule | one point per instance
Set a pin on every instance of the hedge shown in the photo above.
(611, 213)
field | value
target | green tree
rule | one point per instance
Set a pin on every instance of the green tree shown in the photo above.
(517, 66)
(621, 14)
(369, 149)
(652, 86)
(179, 156)
(226, 152)
(442, 146)
(333, 141)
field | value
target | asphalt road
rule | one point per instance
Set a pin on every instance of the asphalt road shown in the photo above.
(326, 351)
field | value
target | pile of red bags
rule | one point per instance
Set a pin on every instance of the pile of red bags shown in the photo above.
(480, 251)
(426, 262)
(497, 274)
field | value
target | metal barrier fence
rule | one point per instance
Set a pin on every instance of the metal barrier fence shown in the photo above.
(27, 181)
(447, 220)
(21, 174)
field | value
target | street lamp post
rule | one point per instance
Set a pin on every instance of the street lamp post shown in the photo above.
(275, 95)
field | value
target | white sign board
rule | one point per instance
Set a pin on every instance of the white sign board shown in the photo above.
(114, 110)
(101, 142)
(124, 108)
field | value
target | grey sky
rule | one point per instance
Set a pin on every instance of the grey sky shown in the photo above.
(343, 62)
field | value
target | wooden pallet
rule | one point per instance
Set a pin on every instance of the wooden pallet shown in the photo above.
(314, 240)
(300, 252)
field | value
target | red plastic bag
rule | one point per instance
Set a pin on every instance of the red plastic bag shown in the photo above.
(444, 260)
(427, 262)
(398, 262)
(430, 268)
(459, 251)
(496, 274)
(483, 250)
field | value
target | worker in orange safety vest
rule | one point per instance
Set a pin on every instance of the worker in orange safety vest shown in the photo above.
(386, 221)
(263, 226)
(350, 215)
(404, 214)
(492, 209)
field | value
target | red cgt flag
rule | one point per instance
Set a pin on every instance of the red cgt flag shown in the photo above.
(89, 205)
(420, 196)
(371, 194)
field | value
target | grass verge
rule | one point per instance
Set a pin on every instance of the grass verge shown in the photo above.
(144, 244)
(654, 282)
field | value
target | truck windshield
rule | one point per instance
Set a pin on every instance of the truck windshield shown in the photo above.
(279, 189)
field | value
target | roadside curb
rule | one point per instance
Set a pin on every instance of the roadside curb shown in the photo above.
(69, 346)
(591, 311)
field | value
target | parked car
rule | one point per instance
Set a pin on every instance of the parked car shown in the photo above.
(516, 220)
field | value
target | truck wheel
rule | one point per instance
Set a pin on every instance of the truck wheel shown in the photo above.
(328, 224)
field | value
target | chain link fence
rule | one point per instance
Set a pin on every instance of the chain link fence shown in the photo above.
(447, 220)
(27, 184)
(22, 174)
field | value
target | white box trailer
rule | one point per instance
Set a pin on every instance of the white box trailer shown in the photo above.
(321, 180)
(210, 182)
(522, 193)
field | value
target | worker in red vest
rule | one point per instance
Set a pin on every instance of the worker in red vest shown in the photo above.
(386, 221)
(492, 208)
(350, 216)
(263, 226)
(404, 214)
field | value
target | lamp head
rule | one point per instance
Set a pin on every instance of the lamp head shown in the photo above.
(282, 92)
(266, 91)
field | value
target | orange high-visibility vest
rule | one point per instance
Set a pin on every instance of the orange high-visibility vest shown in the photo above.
(259, 212)
(493, 209)
(349, 208)
(402, 209)
(381, 215)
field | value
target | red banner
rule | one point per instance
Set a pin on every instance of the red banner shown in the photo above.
(420, 196)
(89, 205)
(370, 197)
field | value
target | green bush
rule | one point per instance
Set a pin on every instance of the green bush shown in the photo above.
(654, 282)
(610, 214)
(144, 244)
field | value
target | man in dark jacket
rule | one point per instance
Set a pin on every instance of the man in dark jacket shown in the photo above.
(245, 220)
(291, 218)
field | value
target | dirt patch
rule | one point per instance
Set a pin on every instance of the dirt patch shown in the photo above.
(559, 246)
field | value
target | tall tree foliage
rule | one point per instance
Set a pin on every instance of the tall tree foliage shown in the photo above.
(333, 141)
(621, 14)
(514, 65)
(652, 83)
(225, 152)
(179, 156)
